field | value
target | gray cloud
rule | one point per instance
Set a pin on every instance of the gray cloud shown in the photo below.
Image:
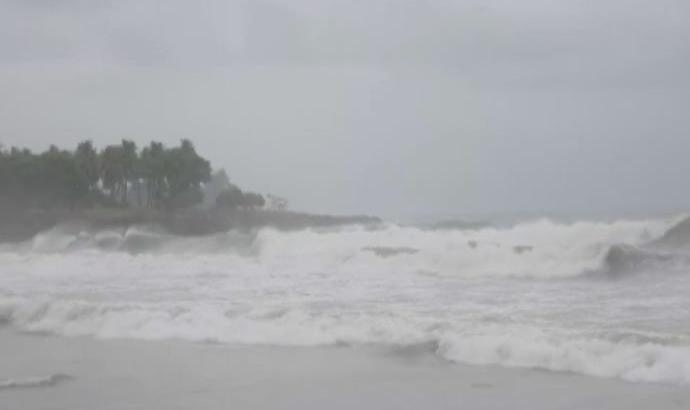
(392, 107)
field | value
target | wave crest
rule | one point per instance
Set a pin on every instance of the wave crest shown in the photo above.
(531, 295)
(642, 358)
(34, 382)
(539, 248)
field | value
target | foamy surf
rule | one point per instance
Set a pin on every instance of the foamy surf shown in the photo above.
(34, 382)
(601, 299)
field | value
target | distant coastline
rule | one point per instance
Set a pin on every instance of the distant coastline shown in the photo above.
(22, 226)
(122, 185)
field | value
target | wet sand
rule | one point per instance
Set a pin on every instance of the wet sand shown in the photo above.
(46, 372)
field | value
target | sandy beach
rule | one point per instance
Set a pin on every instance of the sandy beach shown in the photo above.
(356, 205)
(45, 372)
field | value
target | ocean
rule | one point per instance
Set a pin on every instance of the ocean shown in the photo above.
(609, 299)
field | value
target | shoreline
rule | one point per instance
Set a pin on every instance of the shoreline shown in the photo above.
(23, 225)
(70, 373)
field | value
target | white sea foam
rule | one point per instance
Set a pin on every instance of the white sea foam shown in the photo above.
(33, 382)
(538, 294)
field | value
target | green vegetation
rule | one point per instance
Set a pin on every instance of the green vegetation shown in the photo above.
(122, 185)
(235, 198)
(118, 176)
(229, 196)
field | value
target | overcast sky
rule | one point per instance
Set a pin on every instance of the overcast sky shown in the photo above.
(398, 108)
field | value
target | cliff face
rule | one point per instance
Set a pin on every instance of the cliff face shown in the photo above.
(23, 225)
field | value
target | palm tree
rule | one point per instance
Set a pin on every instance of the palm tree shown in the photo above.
(184, 172)
(113, 171)
(130, 157)
(152, 170)
(88, 165)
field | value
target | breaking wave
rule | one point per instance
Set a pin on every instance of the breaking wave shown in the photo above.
(34, 382)
(540, 248)
(633, 356)
(602, 299)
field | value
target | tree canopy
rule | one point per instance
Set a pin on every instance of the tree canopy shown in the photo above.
(233, 198)
(160, 177)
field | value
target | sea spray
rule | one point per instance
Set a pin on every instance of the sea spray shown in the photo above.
(588, 297)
